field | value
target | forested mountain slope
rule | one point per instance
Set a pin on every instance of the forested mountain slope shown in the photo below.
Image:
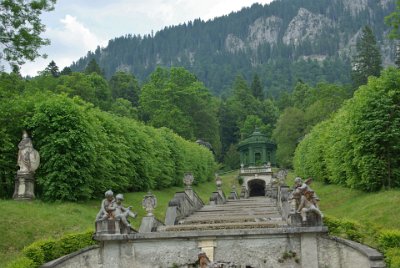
(283, 42)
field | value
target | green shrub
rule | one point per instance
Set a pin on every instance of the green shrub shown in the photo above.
(346, 228)
(21, 262)
(392, 257)
(389, 239)
(43, 251)
(73, 242)
(35, 253)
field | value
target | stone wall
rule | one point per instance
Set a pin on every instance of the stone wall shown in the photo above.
(269, 247)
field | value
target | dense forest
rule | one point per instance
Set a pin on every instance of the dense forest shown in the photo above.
(97, 129)
(282, 42)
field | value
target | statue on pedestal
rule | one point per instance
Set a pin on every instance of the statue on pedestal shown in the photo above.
(113, 216)
(28, 161)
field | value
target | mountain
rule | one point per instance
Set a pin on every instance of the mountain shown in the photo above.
(283, 42)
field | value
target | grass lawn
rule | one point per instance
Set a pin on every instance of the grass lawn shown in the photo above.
(25, 222)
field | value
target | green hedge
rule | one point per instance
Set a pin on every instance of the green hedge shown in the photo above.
(392, 257)
(387, 241)
(43, 251)
(85, 151)
(358, 146)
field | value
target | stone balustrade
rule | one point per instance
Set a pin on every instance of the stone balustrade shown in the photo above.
(182, 205)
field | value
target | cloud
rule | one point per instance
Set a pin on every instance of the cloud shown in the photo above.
(77, 26)
(69, 42)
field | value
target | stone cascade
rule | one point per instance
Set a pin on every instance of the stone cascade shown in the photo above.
(282, 228)
(256, 212)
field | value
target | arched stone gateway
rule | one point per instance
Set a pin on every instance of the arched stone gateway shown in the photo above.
(256, 187)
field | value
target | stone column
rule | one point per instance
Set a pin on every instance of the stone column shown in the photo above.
(251, 157)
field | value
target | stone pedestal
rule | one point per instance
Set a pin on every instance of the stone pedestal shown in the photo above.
(24, 186)
(312, 220)
(108, 227)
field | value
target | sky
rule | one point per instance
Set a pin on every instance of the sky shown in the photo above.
(75, 27)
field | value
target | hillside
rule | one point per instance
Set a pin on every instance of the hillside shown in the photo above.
(283, 42)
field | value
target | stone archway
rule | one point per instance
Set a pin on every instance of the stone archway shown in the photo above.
(256, 187)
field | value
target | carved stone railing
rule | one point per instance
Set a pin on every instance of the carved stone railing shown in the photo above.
(233, 195)
(182, 205)
(244, 192)
(217, 198)
(149, 224)
(282, 196)
(255, 170)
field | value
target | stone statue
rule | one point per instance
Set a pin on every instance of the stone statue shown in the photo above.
(308, 204)
(28, 161)
(296, 194)
(108, 207)
(28, 157)
(123, 213)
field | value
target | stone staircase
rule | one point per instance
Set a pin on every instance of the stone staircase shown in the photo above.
(254, 212)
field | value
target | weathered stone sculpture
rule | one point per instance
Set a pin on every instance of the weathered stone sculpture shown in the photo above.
(108, 207)
(303, 200)
(28, 162)
(295, 196)
(149, 203)
(113, 216)
(308, 204)
(123, 213)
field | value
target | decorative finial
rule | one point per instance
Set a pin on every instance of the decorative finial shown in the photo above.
(218, 181)
(188, 180)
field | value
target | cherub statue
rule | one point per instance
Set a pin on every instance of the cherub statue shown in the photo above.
(108, 207)
(298, 189)
(122, 213)
(308, 204)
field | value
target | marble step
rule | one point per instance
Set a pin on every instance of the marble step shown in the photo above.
(273, 218)
(221, 226)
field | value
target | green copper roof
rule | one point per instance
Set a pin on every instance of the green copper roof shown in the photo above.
(256, 138)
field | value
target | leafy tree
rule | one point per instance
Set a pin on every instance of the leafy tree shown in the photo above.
(250, 124)
(287, 134)
(92, 88)
(124, 85)
(124, 107)
(367, 62)
(20, 29)
(66, 71)
(176, 99)
(232, 158)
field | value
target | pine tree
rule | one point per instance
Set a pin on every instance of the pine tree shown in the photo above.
(397, 55)
(93, 67)
(52, 69)
(256, 88)
(367, 62)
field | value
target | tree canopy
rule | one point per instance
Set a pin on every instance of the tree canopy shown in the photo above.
(20, 29)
